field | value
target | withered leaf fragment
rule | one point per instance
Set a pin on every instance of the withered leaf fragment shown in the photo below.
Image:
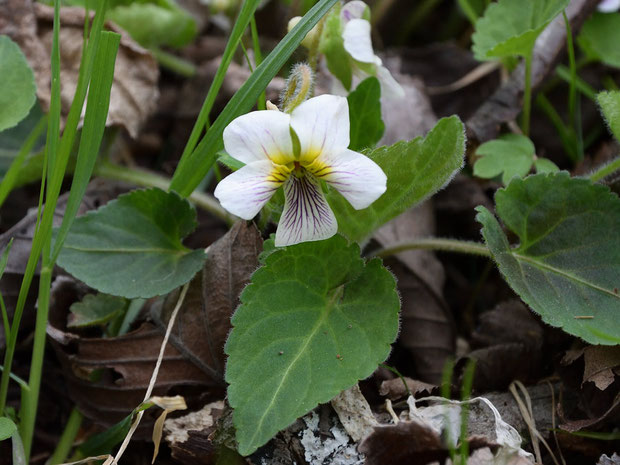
(203, 323)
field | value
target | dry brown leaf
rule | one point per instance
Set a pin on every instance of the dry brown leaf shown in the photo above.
(188, 436)
(354, 413)
(203, 323)
(407, 443)
(600, 363)
(394, 388)
(427, 327)
(195, 355)
(134, 91)
(510, 341)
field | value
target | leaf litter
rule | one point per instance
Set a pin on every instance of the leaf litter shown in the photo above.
(106, 376)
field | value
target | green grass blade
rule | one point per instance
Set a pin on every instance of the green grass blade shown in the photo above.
(57, 154)
(92, 133)
(245, 15)
(53, 132)
(195, 166)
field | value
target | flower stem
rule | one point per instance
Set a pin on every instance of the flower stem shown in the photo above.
(173, 62)
(146, 178)
(434, 243)
(606, 170)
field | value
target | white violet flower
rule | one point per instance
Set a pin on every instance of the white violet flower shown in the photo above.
(608, 6)
(263, 140)
(358, 44)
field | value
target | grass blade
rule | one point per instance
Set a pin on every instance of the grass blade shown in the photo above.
(92, 133)
(194, 167)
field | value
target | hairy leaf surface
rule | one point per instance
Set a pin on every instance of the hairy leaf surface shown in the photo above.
(415, 170)
(510, 27)
(132, 247)
(314, 320)
(610, 106)
(567, 264)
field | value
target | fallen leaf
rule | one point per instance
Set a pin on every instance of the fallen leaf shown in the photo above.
(407, 443)
(510, 341)
(427, 328)
(107, 377)
(605, 460)
(203, 323)
(188, 436)
(354, 412)
(601, 364)
(134, 91)
(611, 416)
(394, 388)
(168, 404)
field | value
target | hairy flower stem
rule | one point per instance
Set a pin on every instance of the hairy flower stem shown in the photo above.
(147, 179)
(432, 243)
(605, 170)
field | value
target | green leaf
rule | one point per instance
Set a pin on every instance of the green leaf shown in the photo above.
(104, 442)
(18, 87)
(544, 165)
(7, 428)
(511, 154)
(332, 46)
(610, 106)
(599, 37)
(415, 170)
(132, 247)
(510, 27)
(365, 114)
(95, 310)
(567, 264)
(314, 320)
(194, 166)
(154, 25)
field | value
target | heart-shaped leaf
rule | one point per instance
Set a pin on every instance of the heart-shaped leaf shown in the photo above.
(314, 320)
(415, 170)
(510, 27)
(365, 114)
(599, 38)
(511, 154)
(132, 247)
(567, 264)
(18, 88)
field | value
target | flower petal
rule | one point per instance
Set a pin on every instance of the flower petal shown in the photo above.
(246, 191)
(608, 6)
(359, 179)
(322, 125)
(259, 135)
(307, 215)
(390, 88)
(352, 10)
(357, 41)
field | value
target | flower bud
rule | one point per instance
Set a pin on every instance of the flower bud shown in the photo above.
(310, 37)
